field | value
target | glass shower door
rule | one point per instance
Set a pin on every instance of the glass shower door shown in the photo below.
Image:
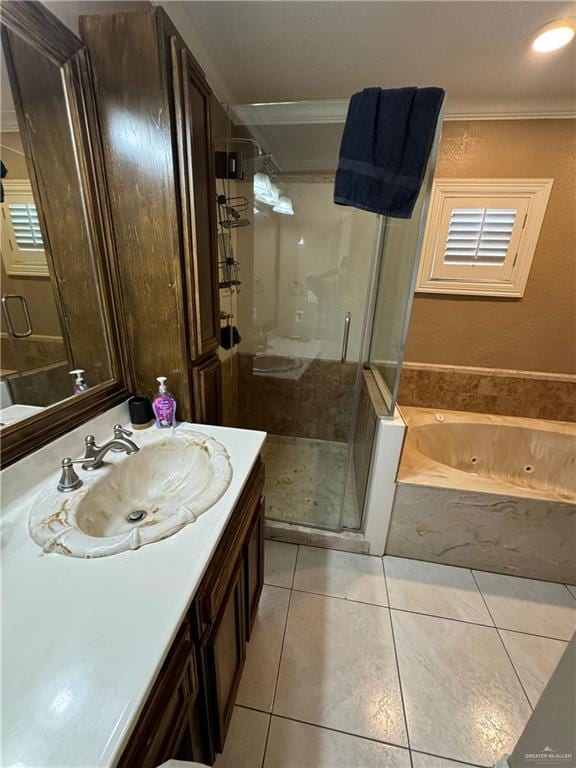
(304, 266)
(400, 247)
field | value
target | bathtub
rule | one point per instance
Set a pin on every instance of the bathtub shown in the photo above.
(495, 493)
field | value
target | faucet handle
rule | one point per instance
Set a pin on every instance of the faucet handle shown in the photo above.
(119, 431)
(69, 480)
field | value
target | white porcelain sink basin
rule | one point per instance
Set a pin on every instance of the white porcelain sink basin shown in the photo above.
(136, 499)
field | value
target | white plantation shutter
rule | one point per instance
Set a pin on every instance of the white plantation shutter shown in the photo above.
(24, 218)
(479, 235)
(23, 251)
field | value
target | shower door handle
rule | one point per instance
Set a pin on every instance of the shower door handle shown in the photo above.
(347, 321)
(8, 318)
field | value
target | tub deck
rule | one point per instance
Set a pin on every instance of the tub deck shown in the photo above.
(445, 514)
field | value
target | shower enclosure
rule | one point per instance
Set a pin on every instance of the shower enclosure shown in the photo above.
(320, 292)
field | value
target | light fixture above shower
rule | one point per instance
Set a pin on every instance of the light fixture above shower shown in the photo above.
(284, 205)
(268, 193)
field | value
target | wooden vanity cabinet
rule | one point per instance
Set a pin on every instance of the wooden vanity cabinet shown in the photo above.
(154, 105)
(223, 608)
(254, 566)
(188, 712)
(166, 720)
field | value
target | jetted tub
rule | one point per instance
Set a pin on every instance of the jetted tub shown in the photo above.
(496, 493)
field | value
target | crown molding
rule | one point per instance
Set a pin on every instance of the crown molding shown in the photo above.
(180, 14)
(334, 111)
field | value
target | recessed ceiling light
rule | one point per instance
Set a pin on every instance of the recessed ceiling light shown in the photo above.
(554, 36)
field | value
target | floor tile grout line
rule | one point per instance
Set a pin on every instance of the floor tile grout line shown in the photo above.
(385, 582)
(260, 712)
(358, 736)
(295, 567)
(504, 646)
(569, 590)
(404, 713)
(277, 586)
(421, 613)
(338, 730)
(452, 759)
(279, 662)
(279, 659)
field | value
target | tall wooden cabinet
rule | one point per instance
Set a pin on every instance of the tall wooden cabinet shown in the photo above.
(154, 107)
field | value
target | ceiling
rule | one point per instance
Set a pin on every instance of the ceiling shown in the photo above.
(478, 51)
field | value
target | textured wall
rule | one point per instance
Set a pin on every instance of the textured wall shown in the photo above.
(537, 332)
(37, 290)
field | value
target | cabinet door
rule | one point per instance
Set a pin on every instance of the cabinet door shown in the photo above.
(207, 381)
(254, 566)
(223, 653)
(198, 193)
(167, 713)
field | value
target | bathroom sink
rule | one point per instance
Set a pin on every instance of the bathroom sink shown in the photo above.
(134, 500)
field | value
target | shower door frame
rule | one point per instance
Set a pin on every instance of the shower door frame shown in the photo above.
(391, 396)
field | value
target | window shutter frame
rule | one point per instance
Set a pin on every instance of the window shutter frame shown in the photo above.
(529, 197)
(20, 260)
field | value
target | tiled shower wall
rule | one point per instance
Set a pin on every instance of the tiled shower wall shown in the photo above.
(316, 405)
(486, 390)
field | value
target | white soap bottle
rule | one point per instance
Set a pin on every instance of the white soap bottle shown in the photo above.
(79, 383)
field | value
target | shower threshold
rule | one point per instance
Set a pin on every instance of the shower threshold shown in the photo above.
(345, 541)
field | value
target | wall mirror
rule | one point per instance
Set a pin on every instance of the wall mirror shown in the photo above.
(60, 307)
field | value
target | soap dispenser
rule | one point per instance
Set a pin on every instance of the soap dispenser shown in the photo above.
(79, 383)
(164, 406)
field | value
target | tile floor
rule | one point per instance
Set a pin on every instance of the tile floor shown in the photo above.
(365, 662)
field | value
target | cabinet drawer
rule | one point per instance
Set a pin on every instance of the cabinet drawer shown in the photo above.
(218, 578)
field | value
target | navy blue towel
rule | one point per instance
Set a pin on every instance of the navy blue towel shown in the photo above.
(385, 146)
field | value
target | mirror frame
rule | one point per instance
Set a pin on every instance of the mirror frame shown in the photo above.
(35, 24)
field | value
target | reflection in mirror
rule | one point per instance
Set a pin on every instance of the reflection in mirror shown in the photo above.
(51, 320)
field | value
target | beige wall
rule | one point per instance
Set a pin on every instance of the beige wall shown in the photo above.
(537, 332)
(37, 290)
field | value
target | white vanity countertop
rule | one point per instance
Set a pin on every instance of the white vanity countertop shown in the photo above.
(83, 639)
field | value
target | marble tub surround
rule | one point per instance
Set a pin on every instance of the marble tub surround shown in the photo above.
(467, 685)
(490, 532)
(528, 394)
(175, 476)
(488, 492)
(76, 687)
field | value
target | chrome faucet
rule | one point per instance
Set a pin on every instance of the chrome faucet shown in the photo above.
(120, 443)
(94, 457)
